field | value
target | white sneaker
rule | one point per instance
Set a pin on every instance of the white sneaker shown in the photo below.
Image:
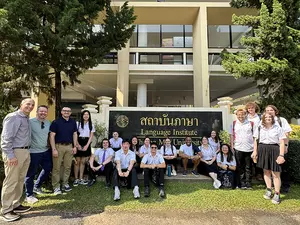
(218, 184)
(136, 193)
(31, 199)
(57, 191)
(174, 173)
(117, 194)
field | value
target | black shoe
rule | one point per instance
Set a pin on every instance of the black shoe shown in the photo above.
(248, 186)
(21, 209)
(161, 192)
(91, 183)
(10, 216)
(147, 192)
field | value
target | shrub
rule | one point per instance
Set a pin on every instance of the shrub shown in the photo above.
(293, 160)
(295, 134)
(224, 137)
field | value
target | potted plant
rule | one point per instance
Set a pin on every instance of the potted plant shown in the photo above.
(100, 133)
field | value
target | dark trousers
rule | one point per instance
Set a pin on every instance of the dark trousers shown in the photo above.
(131, 180)
(44, 160)
(243, 167)
(156, 175)
(285, 176)
(171, 162)
(108, 170)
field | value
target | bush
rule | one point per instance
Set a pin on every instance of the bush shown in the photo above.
(293, 160)
(295, 134)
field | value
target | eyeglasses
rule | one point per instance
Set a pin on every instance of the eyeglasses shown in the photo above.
(42, 125)
(66, 110)
(154, 147)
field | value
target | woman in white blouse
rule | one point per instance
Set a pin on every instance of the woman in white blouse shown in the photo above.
(145, 149)
(214, 142)
(116, 141)
(270, 154)
(86, 131)
(208, 161)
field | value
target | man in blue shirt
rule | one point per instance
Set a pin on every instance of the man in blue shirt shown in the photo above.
(125, 160)
(63, 141)
(40, 155)
(153, 164)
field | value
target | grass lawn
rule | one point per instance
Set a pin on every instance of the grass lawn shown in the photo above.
(190, 196)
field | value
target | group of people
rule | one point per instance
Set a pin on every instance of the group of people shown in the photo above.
(28, 144)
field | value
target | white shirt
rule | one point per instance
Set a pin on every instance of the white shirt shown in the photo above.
(166, 150)
(100, 151)
(225, 162)
(243, 136)
(284, 124)
(213, 144)
(144, 149)
(115, 143)
(85, 132)
(255, 119)
(207, 153)
(149, 159)
(125, 159)
(188, 150)
(270, 136)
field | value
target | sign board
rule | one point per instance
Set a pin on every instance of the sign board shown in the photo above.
(159, 123)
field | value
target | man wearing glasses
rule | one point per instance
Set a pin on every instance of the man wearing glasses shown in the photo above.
(153, 164)
(40, 155)
(63, 141)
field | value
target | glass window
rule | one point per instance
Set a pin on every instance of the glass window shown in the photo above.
(214, 59)
(132, 58)
(149, 58)
(218, 36)
(149, 36)
(133, 39)
(237, 32)
(111, 58)
(188, 30)
(175, 59)
(189, 59)
(172, 36)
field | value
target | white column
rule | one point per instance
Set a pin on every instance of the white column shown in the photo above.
(225, 103)
(104, 103)
(141, 95)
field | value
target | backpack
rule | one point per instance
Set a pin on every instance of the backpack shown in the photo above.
(226, 178)
(171, 149)
(234, 122)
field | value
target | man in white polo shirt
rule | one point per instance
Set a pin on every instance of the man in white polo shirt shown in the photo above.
(153, 164)
(242, 143)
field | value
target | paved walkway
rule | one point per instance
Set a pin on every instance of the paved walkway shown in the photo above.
(163, 218)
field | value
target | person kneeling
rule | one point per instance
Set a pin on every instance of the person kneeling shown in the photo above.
(153, 164)
(227, 166)
(101, 163)
(125, 160)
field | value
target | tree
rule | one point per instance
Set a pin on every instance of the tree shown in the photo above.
(56, 39)
(271, 57)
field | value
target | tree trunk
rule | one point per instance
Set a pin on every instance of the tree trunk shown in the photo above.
(57, 94)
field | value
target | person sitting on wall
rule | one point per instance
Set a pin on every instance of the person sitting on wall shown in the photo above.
(125, 160)
(101, 163)
(227, 166)
(153, 164)
(169, 153)
(191, 155)
(116, 141)
(145, 149)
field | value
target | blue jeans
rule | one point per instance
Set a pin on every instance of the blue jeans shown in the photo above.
(44, 160)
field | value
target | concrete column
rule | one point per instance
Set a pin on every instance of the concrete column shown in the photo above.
(200, 60)
(123, 77)
(141, 95)
(42, 99)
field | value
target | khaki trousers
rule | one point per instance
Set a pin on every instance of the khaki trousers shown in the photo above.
(13, 184)
(62, 162)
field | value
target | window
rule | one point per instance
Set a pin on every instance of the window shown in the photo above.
(188, 31)
(237, 32)
(147, 58)
(161, 58)
(214, 59)
(132, 58)
(134, 38)
(218, 36)
(189, 59)
(149, 36)
(111, 58)
(175, 59)
(172, 36)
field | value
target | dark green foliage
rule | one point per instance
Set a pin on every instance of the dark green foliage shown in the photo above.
(293, 160)
(271, 58)
(46, 40)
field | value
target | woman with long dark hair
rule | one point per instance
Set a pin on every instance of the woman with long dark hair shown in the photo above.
(85, 135)
(214, 141)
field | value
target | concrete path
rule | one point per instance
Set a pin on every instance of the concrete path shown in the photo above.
(162, 218)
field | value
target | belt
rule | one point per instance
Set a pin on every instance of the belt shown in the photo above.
(25, 147)
(64, 143)
(84, 137)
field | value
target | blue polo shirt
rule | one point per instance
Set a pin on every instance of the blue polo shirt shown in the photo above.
(64, 130)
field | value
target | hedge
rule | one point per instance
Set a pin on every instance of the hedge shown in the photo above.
(293, 160)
